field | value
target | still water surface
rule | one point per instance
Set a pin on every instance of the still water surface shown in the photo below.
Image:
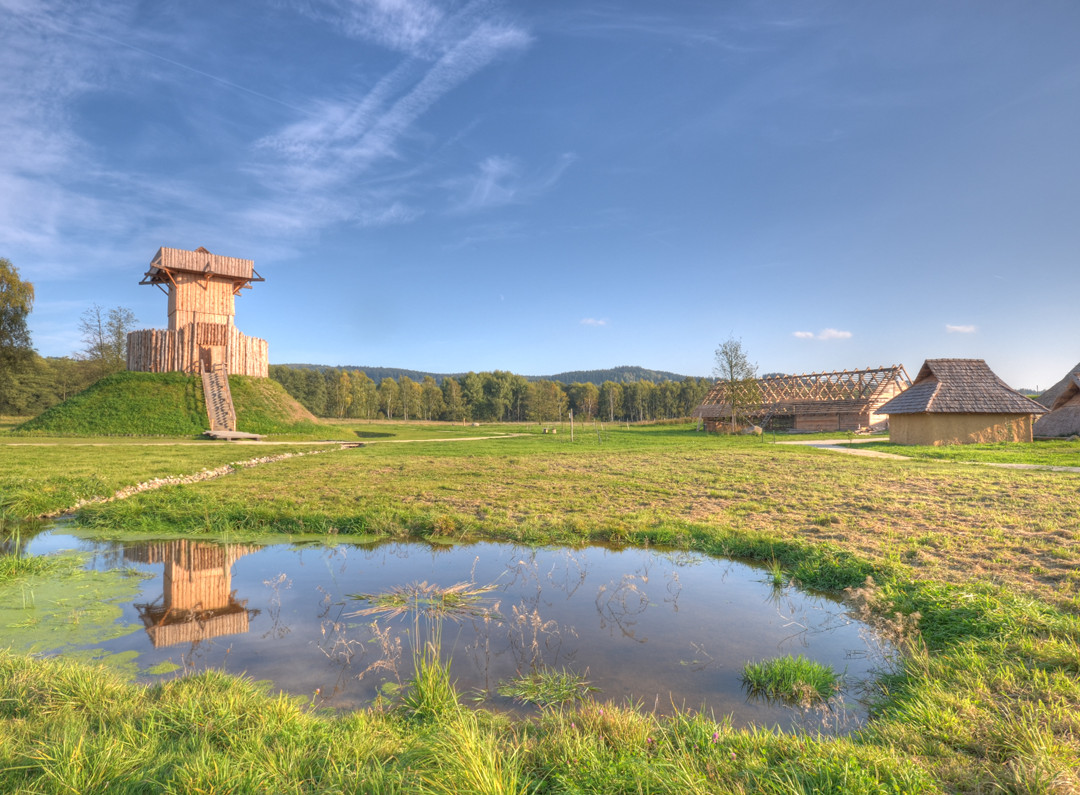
(658, 628)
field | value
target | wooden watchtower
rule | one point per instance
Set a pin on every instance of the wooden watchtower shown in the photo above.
(202, 288)
(202, 337)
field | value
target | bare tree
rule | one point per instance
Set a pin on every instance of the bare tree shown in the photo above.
(104, 336)
(739, 376)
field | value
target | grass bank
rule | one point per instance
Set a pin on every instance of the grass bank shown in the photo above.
(974, 569)
(47, 477)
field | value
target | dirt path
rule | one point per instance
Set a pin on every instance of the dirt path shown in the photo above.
(840, 446)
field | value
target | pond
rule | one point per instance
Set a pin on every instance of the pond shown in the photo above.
(662, 629)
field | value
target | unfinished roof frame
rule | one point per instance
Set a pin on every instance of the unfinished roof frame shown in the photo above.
(854, 394)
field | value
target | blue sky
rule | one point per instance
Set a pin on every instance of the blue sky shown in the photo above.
(557, 185)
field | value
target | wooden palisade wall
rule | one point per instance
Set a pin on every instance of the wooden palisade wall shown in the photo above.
(183, 349)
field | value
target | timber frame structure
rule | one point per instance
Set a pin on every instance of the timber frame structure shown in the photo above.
(201, 288)
(202, 337)
(842, 400)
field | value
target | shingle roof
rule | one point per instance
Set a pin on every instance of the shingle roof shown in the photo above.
(959, 386)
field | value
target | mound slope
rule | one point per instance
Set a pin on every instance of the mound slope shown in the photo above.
(168, 404)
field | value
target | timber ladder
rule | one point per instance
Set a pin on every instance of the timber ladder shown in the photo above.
(219, 403)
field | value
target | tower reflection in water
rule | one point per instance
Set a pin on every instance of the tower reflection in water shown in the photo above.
(198, 602)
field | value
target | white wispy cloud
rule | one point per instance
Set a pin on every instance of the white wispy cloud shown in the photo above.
(64, 195)
(951, 329)
(592, 321)
(492, 186)
(617, 20)
(402, 25)
(499, 180)
(342, 138)
(824, 334)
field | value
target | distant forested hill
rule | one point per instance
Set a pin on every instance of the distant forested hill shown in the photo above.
(620, 375)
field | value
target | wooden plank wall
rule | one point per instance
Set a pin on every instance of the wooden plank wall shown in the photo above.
(246, 355)
(181, 259)
(194, 300)
(166, 351)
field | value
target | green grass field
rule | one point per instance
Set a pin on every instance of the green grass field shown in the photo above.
(974, 570)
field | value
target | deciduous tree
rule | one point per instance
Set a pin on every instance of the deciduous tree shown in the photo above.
(739, 376)
(364, 399)
(16, 301)
(610, 399)
(389, 395)
(453, 401)
(431, 398)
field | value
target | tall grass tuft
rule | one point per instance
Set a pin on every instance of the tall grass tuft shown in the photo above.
(546, 687)
(431, 692)
(791, 679)
(470, 754)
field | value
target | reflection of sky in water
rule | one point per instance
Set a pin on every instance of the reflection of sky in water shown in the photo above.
(653, 627)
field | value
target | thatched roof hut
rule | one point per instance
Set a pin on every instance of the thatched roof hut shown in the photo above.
(1064, 416)
(959, 401)
(1050, 396)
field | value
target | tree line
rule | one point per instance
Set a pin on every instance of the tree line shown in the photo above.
(497, 396)
(30, 383)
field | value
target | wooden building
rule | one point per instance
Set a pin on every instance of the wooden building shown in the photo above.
(198, 601)
(843, 400)
(201, 336)
(1064, 416)
(959, 401)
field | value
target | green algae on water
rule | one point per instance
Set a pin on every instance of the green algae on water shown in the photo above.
(65, 607)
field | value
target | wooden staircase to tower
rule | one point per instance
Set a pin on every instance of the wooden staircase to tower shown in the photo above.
(219, 403)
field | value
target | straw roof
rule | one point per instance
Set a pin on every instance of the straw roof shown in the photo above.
(201, 261)
(1049, 397)
(1064, 418)
(809, 393)
(959, 386)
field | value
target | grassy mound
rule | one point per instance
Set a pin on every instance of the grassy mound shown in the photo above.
(128, 404)
(167, 404)
(263, 406)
